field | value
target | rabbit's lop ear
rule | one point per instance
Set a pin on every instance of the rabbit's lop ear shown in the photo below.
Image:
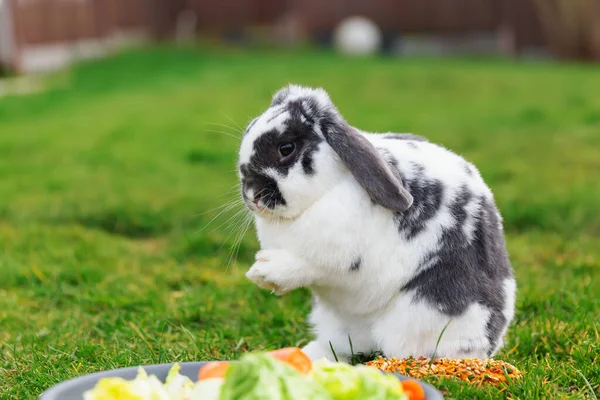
(371, 171)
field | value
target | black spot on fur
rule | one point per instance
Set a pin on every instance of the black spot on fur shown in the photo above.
(266, 153)
(308, 163)
(266, 148)
(468, 271)
(297, 109)
(356, 265)
(313, 108)
(300, 131)
(412, 145)
(427, 198)
(405, 136)
(264, 187)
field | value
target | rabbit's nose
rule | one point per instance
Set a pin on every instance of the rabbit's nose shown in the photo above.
(251, 195)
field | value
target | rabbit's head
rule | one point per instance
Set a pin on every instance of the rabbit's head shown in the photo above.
(300, 148)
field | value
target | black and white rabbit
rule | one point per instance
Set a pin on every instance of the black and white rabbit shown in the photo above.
(396, 237)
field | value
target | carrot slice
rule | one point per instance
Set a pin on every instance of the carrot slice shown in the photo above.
(413, 389)
(295, 357)
(215, 369)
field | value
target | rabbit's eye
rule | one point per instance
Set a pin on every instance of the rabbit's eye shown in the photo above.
(286, 149)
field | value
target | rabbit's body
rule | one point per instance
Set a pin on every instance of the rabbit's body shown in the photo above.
(388, 279)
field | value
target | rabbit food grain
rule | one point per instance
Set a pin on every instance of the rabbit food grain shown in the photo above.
(472, 370)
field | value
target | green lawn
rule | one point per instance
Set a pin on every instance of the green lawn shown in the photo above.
(107, 180)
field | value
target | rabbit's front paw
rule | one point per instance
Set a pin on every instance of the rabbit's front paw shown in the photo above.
(275, 270)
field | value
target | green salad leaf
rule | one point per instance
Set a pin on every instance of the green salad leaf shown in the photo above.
(340, 380)
(345, 382)
(207, 389)
(259, 376)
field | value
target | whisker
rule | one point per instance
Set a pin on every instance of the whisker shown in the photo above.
(235, 188)
(249, 224)
(236, 130)
(268, 199)
(235, 223)
(235, 226)
(227, 208)
(261, 191)
(228, 203)
(233, 192)
(237, 244)
(235, 123)
(239, 229)
(224, 133)
(232, 218)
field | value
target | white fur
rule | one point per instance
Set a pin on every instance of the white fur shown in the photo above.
(510, 290)
(329, 222)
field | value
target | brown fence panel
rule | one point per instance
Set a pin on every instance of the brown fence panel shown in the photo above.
(223, 14)
(46, 21)
(410, 16)
(134, 14)
(50, 21)
(526, 24)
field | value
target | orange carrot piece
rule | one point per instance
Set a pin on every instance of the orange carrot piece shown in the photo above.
(413, 389)
(295, 357)
(215, 369)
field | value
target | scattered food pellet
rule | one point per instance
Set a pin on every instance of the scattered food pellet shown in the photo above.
(472, 370)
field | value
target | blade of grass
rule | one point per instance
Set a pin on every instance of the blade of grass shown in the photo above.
(588, 384)
(333, 351)
(433, 356)
(353, 357)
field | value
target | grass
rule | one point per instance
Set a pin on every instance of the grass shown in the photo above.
(107, 177)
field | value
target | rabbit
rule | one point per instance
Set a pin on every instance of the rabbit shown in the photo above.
(397, 238)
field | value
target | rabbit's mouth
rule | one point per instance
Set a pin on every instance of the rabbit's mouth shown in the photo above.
(256, 206)
(259, 204)
(260, 192)
(265, 209)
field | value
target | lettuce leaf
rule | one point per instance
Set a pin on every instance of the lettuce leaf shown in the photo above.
(340, 380)
(143, 387)
(178, 386)
(378, 385)
(345, 382)
(207, 389)
(259, 376)
(112, 388)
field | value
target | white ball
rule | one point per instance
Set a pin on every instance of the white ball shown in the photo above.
(357, 36)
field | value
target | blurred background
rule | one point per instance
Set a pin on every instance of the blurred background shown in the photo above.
(43, 34)
(123, 240)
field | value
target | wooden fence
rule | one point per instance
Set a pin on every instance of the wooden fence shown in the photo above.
(50, 22)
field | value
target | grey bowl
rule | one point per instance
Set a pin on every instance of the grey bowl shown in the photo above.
(73, 389)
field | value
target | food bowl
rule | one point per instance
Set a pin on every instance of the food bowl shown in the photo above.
(73, 389)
